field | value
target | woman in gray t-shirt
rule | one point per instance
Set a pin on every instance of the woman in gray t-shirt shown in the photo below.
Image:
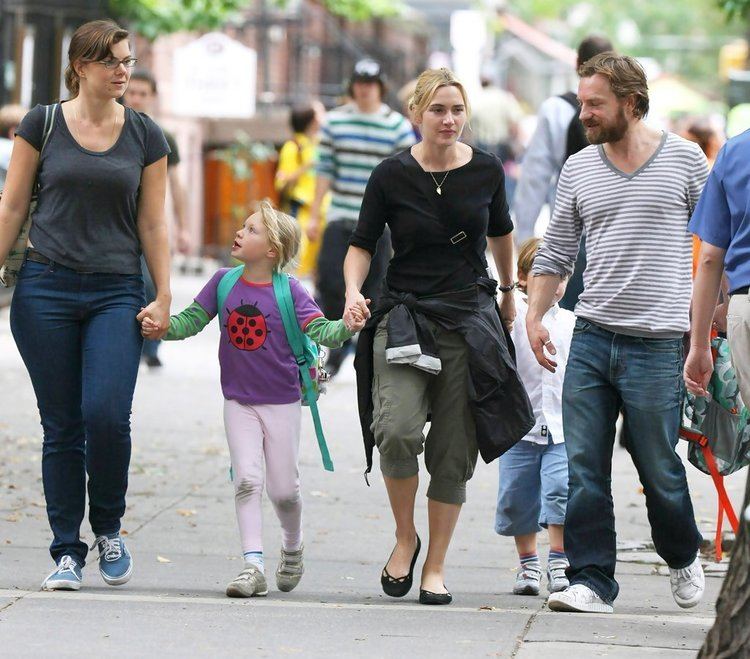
(101, 174)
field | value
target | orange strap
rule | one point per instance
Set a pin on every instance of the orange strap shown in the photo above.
(725, 505)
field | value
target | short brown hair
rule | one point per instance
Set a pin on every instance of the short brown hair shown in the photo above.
(526, 253)
(626, 78)
(428, 83)
(91, 42)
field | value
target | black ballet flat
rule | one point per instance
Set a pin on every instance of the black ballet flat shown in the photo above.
(399, 586)
(426, 597)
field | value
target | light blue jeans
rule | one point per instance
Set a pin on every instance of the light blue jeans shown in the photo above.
(533, 488)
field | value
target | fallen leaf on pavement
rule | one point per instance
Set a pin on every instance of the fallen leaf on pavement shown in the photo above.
(161, 559)
(486, 608)
(185, 512)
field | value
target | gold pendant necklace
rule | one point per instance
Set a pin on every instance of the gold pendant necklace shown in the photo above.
(439, 186)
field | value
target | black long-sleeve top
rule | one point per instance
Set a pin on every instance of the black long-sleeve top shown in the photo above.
(403, 196)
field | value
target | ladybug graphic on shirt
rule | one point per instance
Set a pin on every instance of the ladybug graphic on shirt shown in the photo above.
(247, 327)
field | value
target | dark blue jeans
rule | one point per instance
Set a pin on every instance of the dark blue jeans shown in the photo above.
(78, 336)
(607, 372)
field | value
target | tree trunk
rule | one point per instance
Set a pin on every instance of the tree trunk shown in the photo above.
(729, 638)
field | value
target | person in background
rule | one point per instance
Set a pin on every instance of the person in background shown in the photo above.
(709, 139)
(10, 117)
(141, 97)
(356, 137)
(559, 134)
(494, 125)
(295, 181)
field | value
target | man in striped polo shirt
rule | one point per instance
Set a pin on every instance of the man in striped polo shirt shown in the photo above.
(355, 138)
(632, 192)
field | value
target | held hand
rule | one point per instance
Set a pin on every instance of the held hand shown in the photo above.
(355, 307)
(158, 313)
(698, 369)
(358, 320)
(148, 328)
(508, 310)
(539, 340)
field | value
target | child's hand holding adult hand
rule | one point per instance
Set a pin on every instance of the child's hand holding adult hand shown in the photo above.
(357, 320)
(157, 314)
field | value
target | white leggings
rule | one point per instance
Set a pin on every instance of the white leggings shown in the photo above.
(270, 431)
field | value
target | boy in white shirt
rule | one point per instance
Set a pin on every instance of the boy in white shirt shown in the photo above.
(533, 488)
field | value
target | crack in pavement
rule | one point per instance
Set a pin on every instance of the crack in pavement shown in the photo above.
(176, 502)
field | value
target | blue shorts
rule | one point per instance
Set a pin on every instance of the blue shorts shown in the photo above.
(533, 489)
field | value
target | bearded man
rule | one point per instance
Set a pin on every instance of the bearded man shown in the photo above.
(632, 192)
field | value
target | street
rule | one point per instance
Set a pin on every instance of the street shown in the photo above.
(181, 531)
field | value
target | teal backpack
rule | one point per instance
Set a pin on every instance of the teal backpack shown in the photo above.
(306, 352)
(717, 428)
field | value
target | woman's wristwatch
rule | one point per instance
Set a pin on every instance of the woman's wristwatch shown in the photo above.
(506, 289)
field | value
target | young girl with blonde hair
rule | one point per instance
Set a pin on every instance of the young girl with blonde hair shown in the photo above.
(260, 383)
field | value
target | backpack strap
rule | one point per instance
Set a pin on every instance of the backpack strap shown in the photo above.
(49, 122)
(296, 338)
(226, 284)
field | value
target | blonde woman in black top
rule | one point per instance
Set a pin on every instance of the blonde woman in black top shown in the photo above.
(435, 347)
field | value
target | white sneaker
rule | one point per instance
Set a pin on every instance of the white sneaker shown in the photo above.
(579, 599)
(556, 578)
(527, 580)
(688, 584)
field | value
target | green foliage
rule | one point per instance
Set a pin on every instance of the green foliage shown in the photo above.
(152, 18)
(684, 36)
(360, 10)
(242, 153)
(736, 8)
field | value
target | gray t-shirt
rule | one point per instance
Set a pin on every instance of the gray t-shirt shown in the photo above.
(86, 215)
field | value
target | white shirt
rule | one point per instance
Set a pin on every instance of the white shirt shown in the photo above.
(544, 388)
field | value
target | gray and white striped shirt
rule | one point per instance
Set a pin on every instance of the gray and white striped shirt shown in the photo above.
(638, 274)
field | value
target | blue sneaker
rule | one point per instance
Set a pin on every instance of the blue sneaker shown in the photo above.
(115, 562)
(66, 576)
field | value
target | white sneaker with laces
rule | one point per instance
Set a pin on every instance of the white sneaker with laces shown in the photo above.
(578, 599)
(688, 584)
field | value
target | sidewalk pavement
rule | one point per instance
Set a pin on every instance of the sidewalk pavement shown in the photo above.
(181, 530)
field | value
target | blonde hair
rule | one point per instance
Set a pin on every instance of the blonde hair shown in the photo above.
(428, 83)
(284, 234)
(91, 42)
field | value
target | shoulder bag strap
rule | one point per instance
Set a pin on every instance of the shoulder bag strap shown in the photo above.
(458, 236)
(295, 337)
(226, 283)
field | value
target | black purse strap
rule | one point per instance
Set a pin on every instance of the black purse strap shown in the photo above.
(458, 236)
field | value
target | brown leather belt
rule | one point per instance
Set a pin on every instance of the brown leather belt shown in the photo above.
(37, 257)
